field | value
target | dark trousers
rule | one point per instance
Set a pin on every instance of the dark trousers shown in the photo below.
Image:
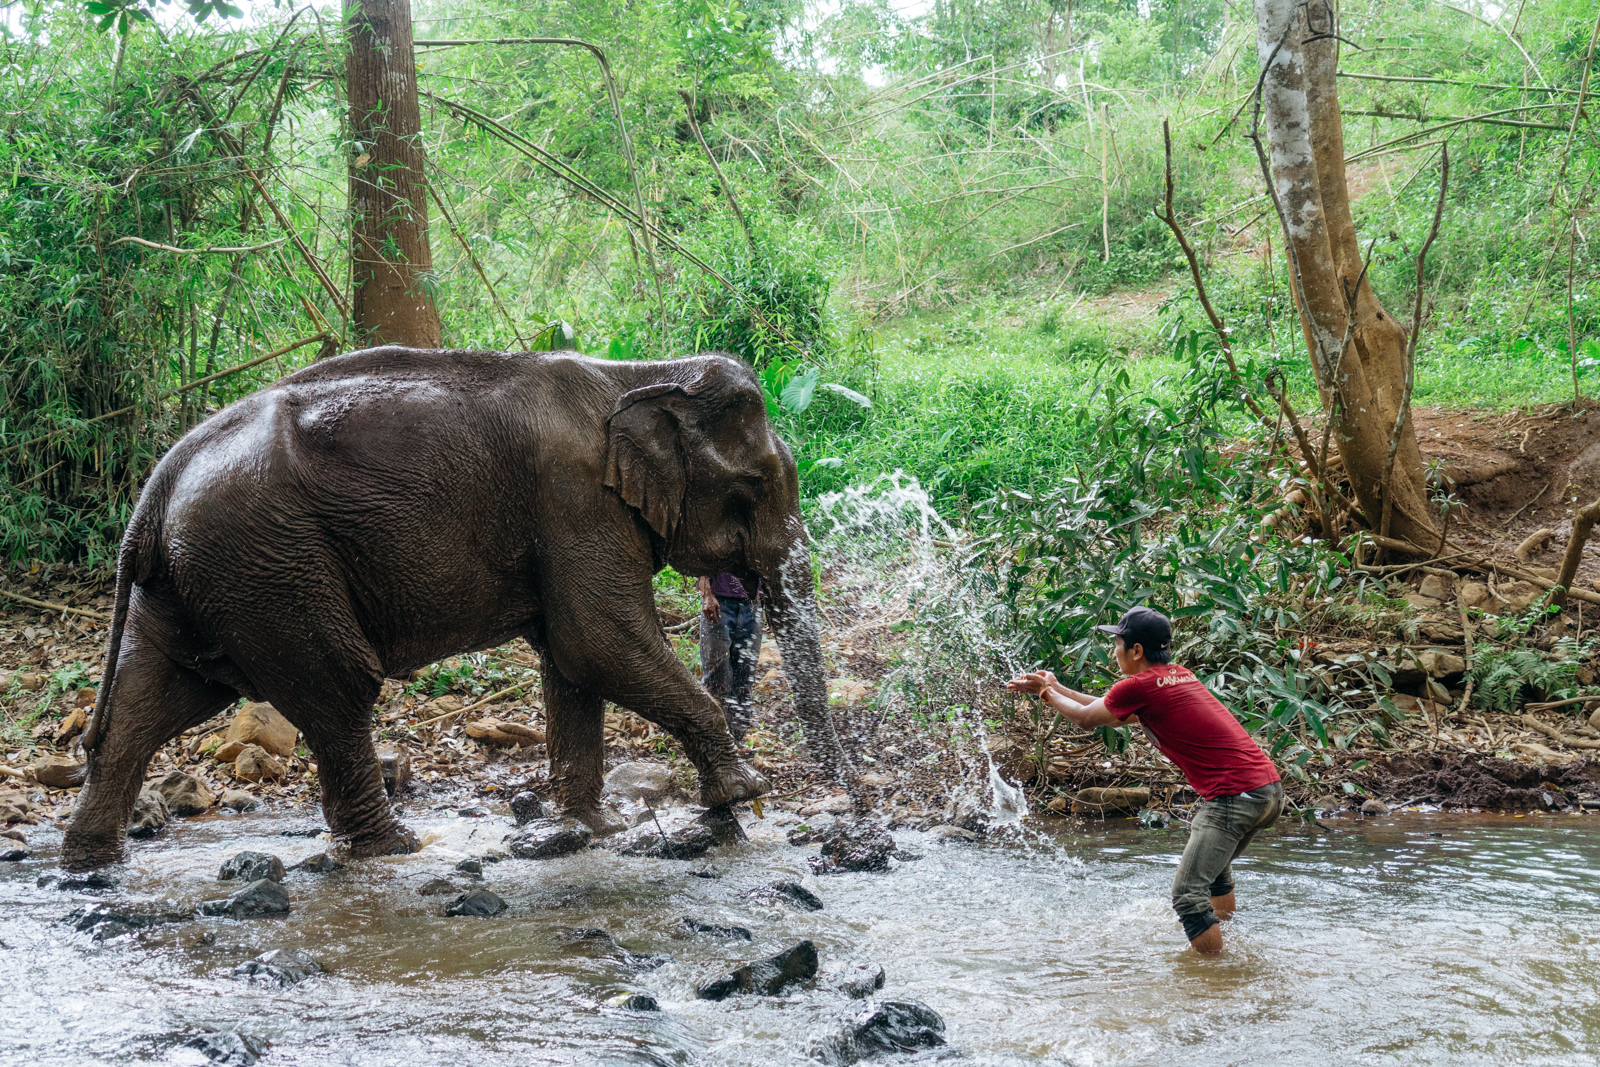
(729, 649)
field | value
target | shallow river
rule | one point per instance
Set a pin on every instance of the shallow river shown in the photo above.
(1420, 939)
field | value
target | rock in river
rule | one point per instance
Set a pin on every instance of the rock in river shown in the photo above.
(722, 933)
(150, 814)
(769, 976)
(477, 902)
(526, 807)
(545, 838)
(251, 866)
(240, 801)
(227, 1047)
(863, 846)
(285, 966)
(105, 921)
(436, 887)
(261, 897)
(856, 979)
(184, 793)
(684, 843)
(643, 782)
(881, 1028)
(59, 772)
(395, 763)
(321, 863)
(789, 893)
(76, 883)
(15, 807)
(641, 1002)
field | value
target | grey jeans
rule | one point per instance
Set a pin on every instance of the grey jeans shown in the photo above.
(1221, 830)
(730, 648)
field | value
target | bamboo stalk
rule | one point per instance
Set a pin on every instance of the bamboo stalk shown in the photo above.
(49, 606)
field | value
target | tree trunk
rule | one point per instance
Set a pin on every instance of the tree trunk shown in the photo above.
(388, 190)
(1361, 383)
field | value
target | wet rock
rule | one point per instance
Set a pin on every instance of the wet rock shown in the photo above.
(479, 903)
(1374, 807)
(227, 1047)
(967, 815)
(258, 724)
(546, 838)
(15, 807)
(184, 793)
(789, 893)
(261, 897)
(285, 966)
(240, 801)
(77, 883)
(436, 887)
(683, 843)
(150, 815)
(647, 783)
(641, 1002)
(10, 852)
(838, 804)
(59, 772)
(906, 856)
(601, 945)
(473, 811)
(395, 762)
(767, 977)
(470, 866)
(722, 933)
(256, 764)
(526, 807)
(110, 920)
(1330, 802)
(250, 867)
(321, 863)
(856, 979)
(815, 829)
(952, 834)
(864, 846)
(882, 1028)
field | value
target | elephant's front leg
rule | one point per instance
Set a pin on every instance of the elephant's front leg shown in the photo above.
(575, 731)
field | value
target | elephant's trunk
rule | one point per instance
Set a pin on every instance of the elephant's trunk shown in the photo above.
(792, 612)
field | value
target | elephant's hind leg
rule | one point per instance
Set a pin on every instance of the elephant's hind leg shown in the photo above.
(152, 701)
(575, 731)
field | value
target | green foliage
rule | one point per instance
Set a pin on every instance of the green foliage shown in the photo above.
(1502, 677)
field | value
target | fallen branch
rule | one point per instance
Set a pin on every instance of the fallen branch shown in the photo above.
(49, 606)
(227, 249)
(1556, 735)
(1554, 704)
(507, 691)
(1582, 526)
(1534, 542)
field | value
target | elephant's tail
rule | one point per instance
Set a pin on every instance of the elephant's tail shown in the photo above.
(138, 560)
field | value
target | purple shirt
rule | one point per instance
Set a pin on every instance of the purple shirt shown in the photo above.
(725, 584)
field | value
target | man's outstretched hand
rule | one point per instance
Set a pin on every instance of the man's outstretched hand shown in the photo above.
(1035, 683)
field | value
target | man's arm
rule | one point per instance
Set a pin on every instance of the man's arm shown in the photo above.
(710, 607)
(1086, 711)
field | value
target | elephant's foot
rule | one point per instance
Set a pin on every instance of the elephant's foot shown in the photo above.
(396, 841)
(84, 851)
(598, 820)
(730, 784)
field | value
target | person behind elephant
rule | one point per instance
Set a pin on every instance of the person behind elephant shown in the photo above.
(1240, 788)
(730, 646)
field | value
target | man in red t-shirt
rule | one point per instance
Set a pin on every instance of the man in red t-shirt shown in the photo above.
(1240, 788)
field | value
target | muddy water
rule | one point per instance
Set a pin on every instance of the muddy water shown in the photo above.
(1423, 939)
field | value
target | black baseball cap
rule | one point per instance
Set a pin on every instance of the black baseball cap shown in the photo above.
(1142, 626)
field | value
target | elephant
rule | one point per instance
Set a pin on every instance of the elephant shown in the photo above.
(377, 511)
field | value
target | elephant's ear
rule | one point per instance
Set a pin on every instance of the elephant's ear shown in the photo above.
(645, 460)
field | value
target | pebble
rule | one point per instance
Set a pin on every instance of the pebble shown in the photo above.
(470, 866)
(240, 801)
(250, 867)
(227, 1047)
(526, 807)
(767, 977)
(645, 782)
(479, 903)
(436, 887)
(641, 1002)
(261, 897)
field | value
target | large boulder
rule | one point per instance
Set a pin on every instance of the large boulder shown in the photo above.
(150, 814)
(285, 966)
(881, 1028)
(768, 977)
(543, 839)
(261, 725)
(251, 867)
(185, 794)
(59, 772)
(646, 783)
(262, 897)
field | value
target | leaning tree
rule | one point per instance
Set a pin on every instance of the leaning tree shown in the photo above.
(1358, 350)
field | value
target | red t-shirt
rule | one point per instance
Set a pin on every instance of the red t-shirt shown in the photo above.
(1193, 730)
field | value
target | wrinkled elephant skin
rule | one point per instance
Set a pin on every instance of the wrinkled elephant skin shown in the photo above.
(378, 511)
